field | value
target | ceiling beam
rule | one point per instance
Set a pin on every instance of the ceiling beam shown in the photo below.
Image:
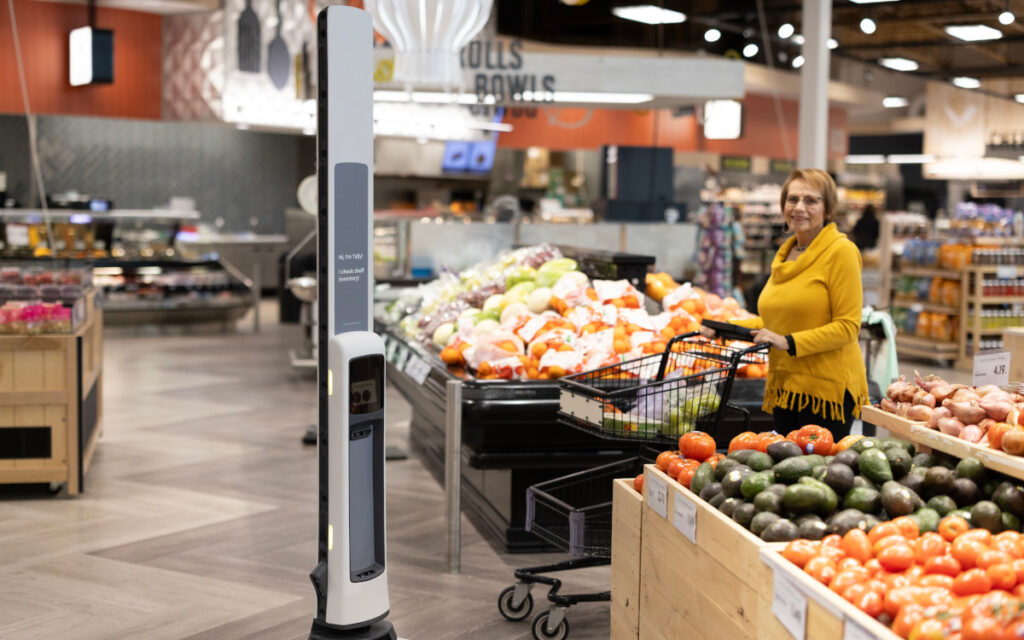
(949, 42)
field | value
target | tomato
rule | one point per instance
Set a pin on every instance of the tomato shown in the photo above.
(1002, 576)
(686, 474)
(983, 536)
(664, 458)
(945, 565)
(800, 551)
(980, 628)
(745, 440)
(988, 558)
(907, 617)
(870, 603)
(856, 545)
(883, 530)
(907, 526)
(1008, 541)
(715, 459)
(937, 580)
(929, 545)
(814, 439)
(854, 591)
(638, 484)
(697, 445)
(835, 554)
(832, 540)
(897, 599)
(888, 541)
(764, 440)
(1018, 568)
(895, 581)
(967, 550)
(972, 581)
(897, 557)
(874, 566)
(849, 563)
(846, 443)
(843, 580)
(952, 526)
(821, 569)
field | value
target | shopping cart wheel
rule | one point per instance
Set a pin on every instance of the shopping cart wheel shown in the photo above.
(507, 608)
(542, 631)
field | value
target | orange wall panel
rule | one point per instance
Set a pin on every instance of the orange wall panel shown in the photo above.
(43, 29)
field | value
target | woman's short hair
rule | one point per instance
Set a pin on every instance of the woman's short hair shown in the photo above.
(821, 181)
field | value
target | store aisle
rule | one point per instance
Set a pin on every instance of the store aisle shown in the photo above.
(198, 517)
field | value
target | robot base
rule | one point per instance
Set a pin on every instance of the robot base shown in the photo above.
(377, 631)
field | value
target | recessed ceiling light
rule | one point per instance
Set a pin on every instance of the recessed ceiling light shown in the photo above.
(832, 43)
(1006, 17)
(867, 25)
(898, 64)
(786, 30)
(649, 14)
(894, 102)
(798, 38)
(750, 50)
(973, 32)
(1019, 97)
(798, 62)
(967, 83)
(712, 35)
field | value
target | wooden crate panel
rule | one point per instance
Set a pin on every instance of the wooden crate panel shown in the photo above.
(897, 426)
(627, 512)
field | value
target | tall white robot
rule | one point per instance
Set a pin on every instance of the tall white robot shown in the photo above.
(350, 578)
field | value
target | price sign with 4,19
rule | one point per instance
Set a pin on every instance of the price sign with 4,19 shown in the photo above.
(991, 367)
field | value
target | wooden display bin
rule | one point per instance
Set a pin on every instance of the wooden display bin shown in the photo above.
(50, 404)
(627, 517)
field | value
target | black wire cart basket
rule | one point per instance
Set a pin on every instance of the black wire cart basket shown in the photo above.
(662, 396)
(574, 513)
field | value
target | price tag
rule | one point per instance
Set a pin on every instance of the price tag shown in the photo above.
(992, 367)
(389, 352)
(417, 369)
(684, 517)
(17, 235)
(853, 631)
(403, 358)
(789, 606)
(657, 494)
(1006, 271)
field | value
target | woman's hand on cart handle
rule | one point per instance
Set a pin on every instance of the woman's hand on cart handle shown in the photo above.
(764, 335)
(708, 333)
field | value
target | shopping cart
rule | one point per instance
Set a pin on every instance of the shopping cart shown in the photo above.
(574, 513)
(662, 396)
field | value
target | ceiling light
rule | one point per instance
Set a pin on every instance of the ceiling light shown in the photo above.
(1019, 97)
(1006, 18)
(649, 14)
(723, 119)
(589, 96)
(832, 43)
(712, 35)
(910, 158)
(867, 25)
(798, 62)
(798, 39)
(967, 83)
(894, 102)
(899, 64)
(865, 159)
(750, 50)
(786, 30)
(973, 32)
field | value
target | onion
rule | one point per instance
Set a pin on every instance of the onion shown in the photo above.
(987, 389)
(896, 388)
(888, 405)
(1013, 441)
(966, 412)
(996, 406)
(941, 391)
(950, 426)
(929, 382)
(971, 433)
(964, 393)
(920, 413)
(938, 414)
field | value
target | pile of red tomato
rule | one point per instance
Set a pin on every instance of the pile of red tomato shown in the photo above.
(810, 438)
(957, 583)
(695, 448)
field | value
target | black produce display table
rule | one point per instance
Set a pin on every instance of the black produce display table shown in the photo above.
(512, 440)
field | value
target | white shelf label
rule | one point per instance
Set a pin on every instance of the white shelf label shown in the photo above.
(17, 235)
(789, 606)
(403, 358)
(992, 367)
(853, 631)
(417, 369)
(684, 517)
(1006, 271)
(657, 494)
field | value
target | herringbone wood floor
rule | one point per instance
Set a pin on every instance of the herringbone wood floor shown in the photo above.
(198, 517)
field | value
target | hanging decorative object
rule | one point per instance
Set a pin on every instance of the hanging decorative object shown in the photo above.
(427, 36)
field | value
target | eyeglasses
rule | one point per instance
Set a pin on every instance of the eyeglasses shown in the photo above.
(809, 201)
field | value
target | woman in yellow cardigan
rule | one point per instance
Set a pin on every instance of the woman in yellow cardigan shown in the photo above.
(810, 312)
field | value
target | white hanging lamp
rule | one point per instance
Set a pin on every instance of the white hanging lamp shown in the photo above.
(428, 35)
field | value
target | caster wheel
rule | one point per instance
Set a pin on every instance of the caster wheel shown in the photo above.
(510, 612)
(541, 631)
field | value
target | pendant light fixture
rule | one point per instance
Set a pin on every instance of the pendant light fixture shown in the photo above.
(427, 36)
(90, 53)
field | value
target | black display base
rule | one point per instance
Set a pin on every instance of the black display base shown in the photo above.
(377, 631)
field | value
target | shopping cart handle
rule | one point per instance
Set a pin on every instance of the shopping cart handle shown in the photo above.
(729, 331)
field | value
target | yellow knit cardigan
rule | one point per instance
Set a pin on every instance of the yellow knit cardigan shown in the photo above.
(818, 299)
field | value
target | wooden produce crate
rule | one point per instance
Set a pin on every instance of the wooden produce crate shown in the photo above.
(810, 609)
(50, 404)
(627, 515)
(701, 573)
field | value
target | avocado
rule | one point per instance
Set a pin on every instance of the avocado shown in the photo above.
(760, 461)
(813, 530)
(710, 490)
(1010, 522)
(743, 514)
(814, 460)
(861, 481)
(807, 517)
(1009, 497)
(761, 521)
(898, 500)
(874, 465)
(938, 481)
(717, 500)
(755, 483)
(942, 504)
(780, 531)
(724, 467)
(818, 473)
(890, 443)
(704, 475)
(871, 520)
(962, 513)
(831, 502)
(864, 444)
(778, 489)
(803, 498)
(899, 461)
(743, 456)
(964, 492)
(733, 480)
(848, 458)
(768, 501)
(945, 460)
(926, 460)
(839, 477)
(972, 469)
(862, 499)
(927, 519)
(846, 520)
(729, 506)
(783, 449)
(792, 469)
(989, 486)
(914, 481)
(986, 515)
